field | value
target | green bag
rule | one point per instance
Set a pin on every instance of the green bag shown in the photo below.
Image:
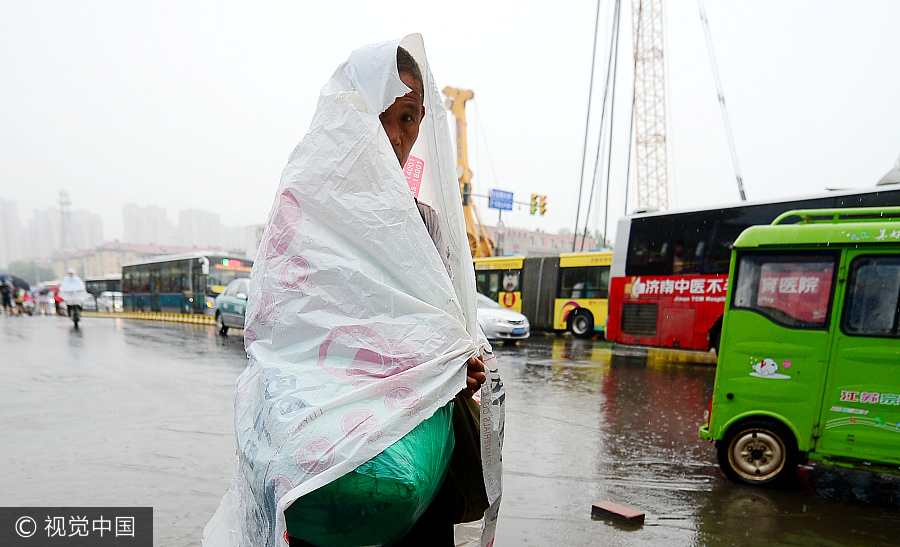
(378, 502)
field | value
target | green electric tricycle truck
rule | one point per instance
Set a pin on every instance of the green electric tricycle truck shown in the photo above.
(809, 362)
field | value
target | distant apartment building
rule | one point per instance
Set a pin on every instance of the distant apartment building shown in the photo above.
(12, 243)
(44, 233)
(85, 230)
(107, 259)
(516, 241)
(148, 225)
(253, 235)
(200, 228)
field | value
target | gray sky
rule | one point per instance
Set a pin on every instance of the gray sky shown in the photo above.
(198, 104)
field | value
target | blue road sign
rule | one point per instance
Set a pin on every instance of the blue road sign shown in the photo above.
(501, 200)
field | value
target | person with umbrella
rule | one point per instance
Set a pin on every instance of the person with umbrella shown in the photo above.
(6, 290)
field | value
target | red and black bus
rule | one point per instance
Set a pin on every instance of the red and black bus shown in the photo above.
(670, 269)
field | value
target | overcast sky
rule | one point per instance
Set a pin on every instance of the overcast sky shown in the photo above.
(198, 104)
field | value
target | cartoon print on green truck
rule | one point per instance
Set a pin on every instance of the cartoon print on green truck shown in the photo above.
(768, 368)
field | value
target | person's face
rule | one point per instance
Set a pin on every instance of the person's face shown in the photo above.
(401, 120)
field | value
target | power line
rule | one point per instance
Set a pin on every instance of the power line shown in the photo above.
(587, 122)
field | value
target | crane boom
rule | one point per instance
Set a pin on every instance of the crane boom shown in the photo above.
(479, 242)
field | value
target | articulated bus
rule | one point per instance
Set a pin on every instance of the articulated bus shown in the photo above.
(565, 292)
(180, 283)
(670, 269)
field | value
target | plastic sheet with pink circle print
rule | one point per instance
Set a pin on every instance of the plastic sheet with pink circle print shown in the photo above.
(357, 337)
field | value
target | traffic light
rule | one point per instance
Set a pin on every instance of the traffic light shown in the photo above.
(535, 201)
(543, 205)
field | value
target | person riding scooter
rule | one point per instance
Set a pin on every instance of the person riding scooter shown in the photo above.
(73, 291)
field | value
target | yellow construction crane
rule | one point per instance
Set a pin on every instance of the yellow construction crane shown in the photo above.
(479, 242)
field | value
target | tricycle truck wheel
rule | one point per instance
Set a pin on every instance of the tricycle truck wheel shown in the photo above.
(758, 452)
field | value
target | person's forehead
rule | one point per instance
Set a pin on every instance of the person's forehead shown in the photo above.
(411, 82)
(411, 100)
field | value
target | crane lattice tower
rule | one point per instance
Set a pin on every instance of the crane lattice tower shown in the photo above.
(650, 105)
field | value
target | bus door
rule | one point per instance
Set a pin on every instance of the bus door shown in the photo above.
(861, 408)
(776, 347)
(197, 290)
(583, 289)
(155, 285)
(500, 279)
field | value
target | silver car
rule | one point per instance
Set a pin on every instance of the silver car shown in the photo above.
(499, 323)
(110, 301)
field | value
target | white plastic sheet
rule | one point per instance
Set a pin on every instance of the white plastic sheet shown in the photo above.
(355, 331)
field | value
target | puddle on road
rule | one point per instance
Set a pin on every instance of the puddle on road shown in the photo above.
(588, 422)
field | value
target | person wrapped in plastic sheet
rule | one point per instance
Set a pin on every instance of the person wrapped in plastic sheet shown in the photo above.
(361, 327)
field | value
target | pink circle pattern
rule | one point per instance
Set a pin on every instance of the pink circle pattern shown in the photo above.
(359, 423)
(293, 273)
(249, 337)
(265, 307)
(400, 398)
(281, 485)
(315, 455)
(378, 359)
(284, 225)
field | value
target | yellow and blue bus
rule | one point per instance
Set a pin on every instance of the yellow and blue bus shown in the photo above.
(568, 292)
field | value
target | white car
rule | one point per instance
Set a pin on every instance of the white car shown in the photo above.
(499, 323)
(110, 301)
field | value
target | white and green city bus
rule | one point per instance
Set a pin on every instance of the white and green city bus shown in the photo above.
(180, 283)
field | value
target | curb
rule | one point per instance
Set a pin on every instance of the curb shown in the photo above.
(145, 316)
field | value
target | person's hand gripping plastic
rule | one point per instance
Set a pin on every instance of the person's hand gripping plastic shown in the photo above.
(475, 376)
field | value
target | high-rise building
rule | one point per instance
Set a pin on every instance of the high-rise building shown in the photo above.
(44, 232)
(253, 235)
(86, 230)
(148, 225)
(200, 228)
(12, 246)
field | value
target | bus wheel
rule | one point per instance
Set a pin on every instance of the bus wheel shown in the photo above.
(758, 452)
(582, 324)
(220, 325)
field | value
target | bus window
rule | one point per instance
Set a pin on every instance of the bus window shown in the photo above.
(511, 280)
(791, 289)
(488, 283)
(492, 282)
(871, 306)
(584, 282)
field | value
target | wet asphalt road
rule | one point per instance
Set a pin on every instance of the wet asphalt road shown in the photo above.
(133, 413)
